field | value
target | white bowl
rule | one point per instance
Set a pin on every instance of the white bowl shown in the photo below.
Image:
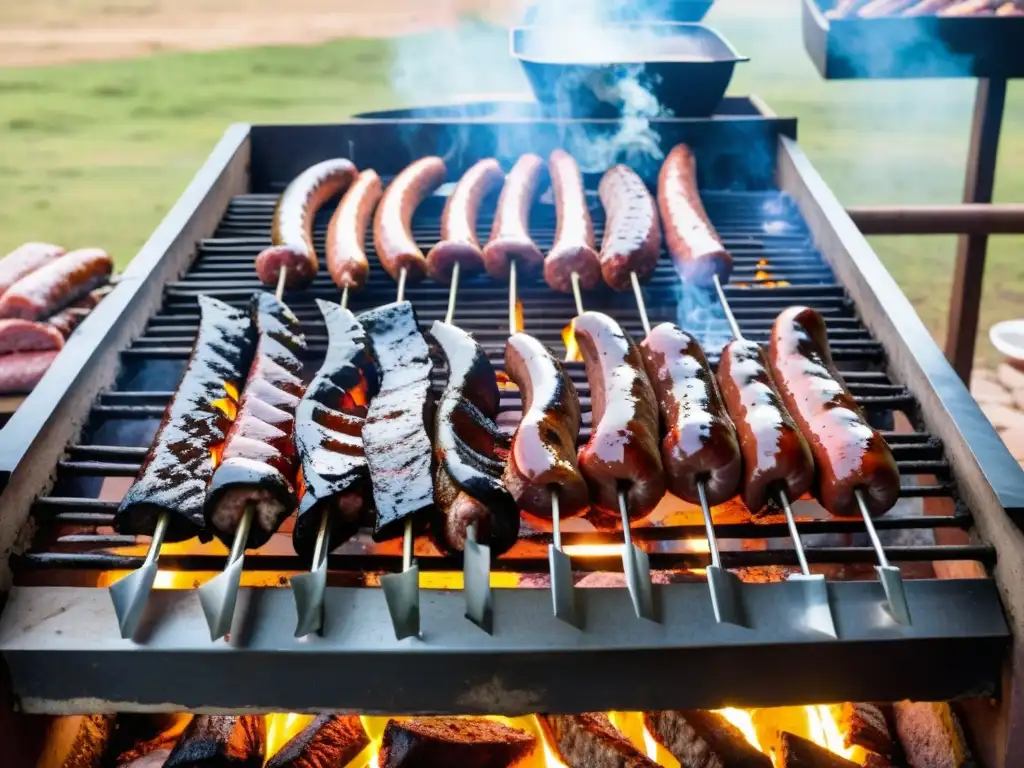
(1008, 338)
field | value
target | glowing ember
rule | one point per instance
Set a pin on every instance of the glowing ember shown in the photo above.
(762, 274)
(282, 728)
(174, 580)
(592, 550)
(520, 321)
(741, 719)
(572, 351)
(774, 284)
(762, 263)
(824, 730)
(228, 405)
(356, 397)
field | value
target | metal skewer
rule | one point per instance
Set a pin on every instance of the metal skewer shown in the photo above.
(635, 562)
(219, 595)
(131, 593)
(402, 590)
(309, 588)
(476, 558)
(724, 585)
(818, 610)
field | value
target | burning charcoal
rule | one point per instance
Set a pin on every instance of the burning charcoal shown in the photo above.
(443, 742)
(330, 740)
(155, 759)
(220, 741)
(698, 737)
(877, 761)
(78, 741)
(931, 735)
(863, 725)
(141, 746)
(798, 752)
(591, 741)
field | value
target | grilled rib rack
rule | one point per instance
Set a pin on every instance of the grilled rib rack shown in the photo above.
(62, 642)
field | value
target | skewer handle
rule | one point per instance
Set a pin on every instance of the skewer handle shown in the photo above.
(407, 538)
(577, 293)
(876, 543)
(556, 522)
(344, 297)
(159, 532)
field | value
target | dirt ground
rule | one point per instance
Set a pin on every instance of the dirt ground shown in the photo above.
(34, 32)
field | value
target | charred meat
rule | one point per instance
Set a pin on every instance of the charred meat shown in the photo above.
(395, 435)
(180, 463)
(258, 465)
(329, 435)
(470, 450)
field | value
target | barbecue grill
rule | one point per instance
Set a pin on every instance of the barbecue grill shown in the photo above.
(83, 433)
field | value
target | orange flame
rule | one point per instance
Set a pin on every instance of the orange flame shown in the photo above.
(762, 274)
(762, 263)
(357, 396)
(572, 350)
(282, 728)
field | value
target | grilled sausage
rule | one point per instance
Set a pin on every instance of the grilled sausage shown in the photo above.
(392, 226)
(458, 223)
(850, 455)
(70, 317)
(696, 249)
(292, 233)
(632, 232)
(510, 234)
(573, 250)
(180, 463)
(24, 260)
(543, 456)
(258, 463)
(52, 287)
(346, 234)
(622, 453)
(329, 435)
(28, 336)
(775, 455)
(21, 371)
(470, 450)
(699, 444)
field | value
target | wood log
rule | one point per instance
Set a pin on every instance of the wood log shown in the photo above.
(150, 750)
(443, 742)
(863, 725)
(330, 740)
(931, 735)
(798, 752)
(76, 741)
(699, 738)
(221, 741)
(591, 741)
(874, 760)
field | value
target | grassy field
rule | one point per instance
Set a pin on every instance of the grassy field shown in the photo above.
(96, 153)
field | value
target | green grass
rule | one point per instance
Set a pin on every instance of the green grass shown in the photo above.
(97, 153)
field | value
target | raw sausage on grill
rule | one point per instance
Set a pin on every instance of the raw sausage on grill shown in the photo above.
(329, 435)
(470, 450)
(458, 223)
(346, 234)
(632, 232)
(699, 443)
(573, 250)
(392, 226)
(52, 287)
(691, 238)
(510, 234)
(850, 454)
(258, 463)
(28, 336)
(775, 455)
(24, 260)
(180, 463)
(543, 456)
(21, 371)
(622, 452)
(292, 233)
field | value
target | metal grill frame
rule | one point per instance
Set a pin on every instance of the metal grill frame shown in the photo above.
(50, 635)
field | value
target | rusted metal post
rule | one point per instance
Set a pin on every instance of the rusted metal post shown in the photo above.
(965, 299)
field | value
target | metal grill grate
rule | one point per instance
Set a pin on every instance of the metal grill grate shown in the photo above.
(771, 246)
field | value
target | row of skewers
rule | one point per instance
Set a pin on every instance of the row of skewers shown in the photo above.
(244, 443)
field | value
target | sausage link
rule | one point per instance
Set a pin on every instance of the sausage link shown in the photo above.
(21, 371)
(392, 226)
(346, 234)
(52, 287)
(849, 453)
(29, 336)
(292, 232)
(543, 454)
(775, 454)
(632, 232)
(573, 250)
(622, 453)
(700, 444)
(510, 235)
(24, 260)
(691, 238)
(458, 223)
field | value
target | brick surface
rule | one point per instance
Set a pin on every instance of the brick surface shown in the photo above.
(985, 391)
(1003, 417)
